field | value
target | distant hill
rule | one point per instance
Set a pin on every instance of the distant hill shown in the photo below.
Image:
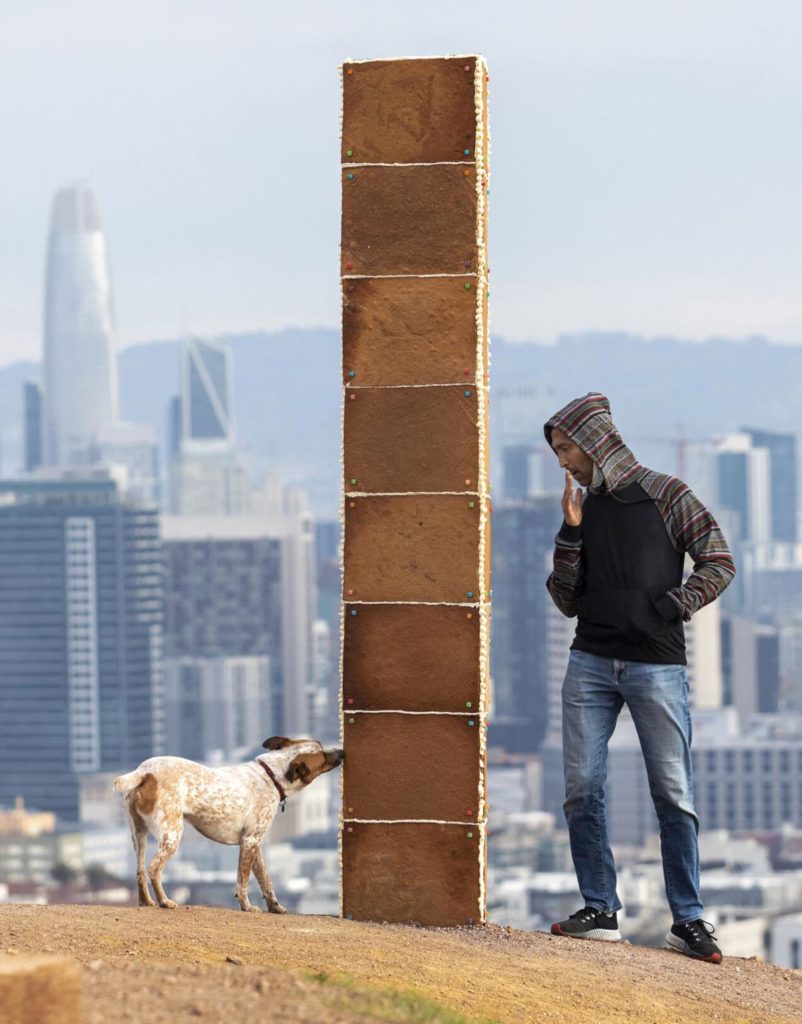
(287, 394)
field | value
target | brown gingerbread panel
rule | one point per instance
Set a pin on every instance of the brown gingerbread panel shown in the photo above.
(409, 220)
(411, 658)
(411, 873)
(409, 111)
(411, 548)
(412, 439)
(401, 330)
(401, 766)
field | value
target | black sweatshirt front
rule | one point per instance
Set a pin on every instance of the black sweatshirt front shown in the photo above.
(628, 566)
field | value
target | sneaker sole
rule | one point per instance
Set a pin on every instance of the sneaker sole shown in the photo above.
(605, 934)
(678, 945)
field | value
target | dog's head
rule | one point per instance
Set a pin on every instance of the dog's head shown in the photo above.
(299, 762)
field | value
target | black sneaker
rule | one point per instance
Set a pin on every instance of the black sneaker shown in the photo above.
(589, 923)
(694, 939)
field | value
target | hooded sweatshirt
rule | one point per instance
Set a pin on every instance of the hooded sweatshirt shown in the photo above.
(620, 571)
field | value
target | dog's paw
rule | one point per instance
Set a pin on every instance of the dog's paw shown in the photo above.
(253, 910)
(147, 903)
(168, 904)
(276, 908)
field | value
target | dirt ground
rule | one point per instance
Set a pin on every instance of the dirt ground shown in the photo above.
(200, 963)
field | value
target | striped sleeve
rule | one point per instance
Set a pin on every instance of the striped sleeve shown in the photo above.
(565, 583)
(693, 529)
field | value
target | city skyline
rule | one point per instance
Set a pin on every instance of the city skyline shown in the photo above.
(643, 172)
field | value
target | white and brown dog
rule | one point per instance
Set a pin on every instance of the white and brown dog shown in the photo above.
(234, 805)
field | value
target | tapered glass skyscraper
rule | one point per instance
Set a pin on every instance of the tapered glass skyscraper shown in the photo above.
(80, 362)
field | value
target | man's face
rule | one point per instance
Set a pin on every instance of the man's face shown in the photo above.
(578, 463)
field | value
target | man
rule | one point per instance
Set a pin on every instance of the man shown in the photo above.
(618, 566)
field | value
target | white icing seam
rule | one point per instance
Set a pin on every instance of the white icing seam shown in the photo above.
(448, 604)
(404, 494)
(384, 387)
(370, 277)
(480, 825)
(392, 711)
(341, 566)
(382, 60)
(480, 75)
(410, 163)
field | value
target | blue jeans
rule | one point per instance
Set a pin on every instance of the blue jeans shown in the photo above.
(594, 691)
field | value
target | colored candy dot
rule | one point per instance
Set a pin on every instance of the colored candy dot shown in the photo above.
(467, 67)
(352, 720)
(469, 615)
(353, 611)
(467, 394)
(467, 286)
(352, 397)
(349, 266)
(467, 481)
(352, 504)
(350, 830)
(469, 835)
(469, 812)
(350, 591)
(350, 700)
(466, 172)
(352, 373)
(471, 722)
(466, 371)
(468, 703)
(470, 504)
(467, 152)
(349, 152)
(350, 177)
(350, 71)
(470, 593)
(353, 479)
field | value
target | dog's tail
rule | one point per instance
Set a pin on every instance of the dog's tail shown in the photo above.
(125, 783)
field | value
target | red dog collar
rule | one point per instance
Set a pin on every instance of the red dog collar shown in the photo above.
(276, 783)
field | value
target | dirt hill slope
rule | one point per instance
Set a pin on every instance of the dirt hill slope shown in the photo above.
(153, 966)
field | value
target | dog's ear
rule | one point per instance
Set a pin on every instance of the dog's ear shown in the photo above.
(276, 743)
(297, 770)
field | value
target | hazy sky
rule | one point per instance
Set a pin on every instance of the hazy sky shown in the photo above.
(646, 158)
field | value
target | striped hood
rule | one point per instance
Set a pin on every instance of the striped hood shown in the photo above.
(587, 421)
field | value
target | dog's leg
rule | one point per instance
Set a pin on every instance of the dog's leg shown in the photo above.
(248, 850)
(171, 832)
(139, 837)
(140, 842)
(266, 886)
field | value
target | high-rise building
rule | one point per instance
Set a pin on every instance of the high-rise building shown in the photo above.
(244, 586)
(206, 392)
(772, 582)
(744, 486)
(134, 448)
(783, 469)
(217, 708)
(33, 406)
(750, 661)
(80, 362)
(206, 475)
(80, 419)
(517, 460)
(703, 651)
(523, 543)
(81, 609)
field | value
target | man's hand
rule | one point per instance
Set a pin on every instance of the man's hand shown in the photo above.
(572, 502)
